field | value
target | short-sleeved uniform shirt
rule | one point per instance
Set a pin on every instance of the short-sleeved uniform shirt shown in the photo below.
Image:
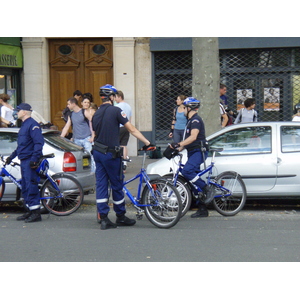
(106, 124)
(195, 122)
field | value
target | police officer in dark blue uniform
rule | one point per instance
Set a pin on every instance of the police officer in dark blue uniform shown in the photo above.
(29, 151)
(107, 155)
(194, 141)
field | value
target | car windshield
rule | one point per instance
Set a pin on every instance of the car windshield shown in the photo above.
(55, 140)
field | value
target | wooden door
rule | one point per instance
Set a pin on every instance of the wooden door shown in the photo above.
(77, 64)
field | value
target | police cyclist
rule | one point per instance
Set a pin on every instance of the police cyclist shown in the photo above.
(107, 155)
(194, 141)
(29, 151)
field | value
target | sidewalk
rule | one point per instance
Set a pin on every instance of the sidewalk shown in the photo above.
(132, 169)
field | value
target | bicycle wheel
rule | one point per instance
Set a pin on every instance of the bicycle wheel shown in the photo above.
(165, 206)
(230, 203)
(64, 201)
(184, 192)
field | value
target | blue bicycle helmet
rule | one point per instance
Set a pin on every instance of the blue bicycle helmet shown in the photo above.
(107, 90)
(191, 102)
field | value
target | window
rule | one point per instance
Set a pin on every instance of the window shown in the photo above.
(8, 143)
(246, 140)
(290, 138)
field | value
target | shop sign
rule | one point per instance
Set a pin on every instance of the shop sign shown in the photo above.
(11, 56)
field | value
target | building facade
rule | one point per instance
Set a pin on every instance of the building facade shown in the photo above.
(153, 71)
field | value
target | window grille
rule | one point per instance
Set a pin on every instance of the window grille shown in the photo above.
(270, 76)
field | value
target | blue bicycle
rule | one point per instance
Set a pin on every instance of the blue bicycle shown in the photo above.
(156, 197)
(61, 194)
(229, 187)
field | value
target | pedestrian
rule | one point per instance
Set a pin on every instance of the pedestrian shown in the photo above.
(223, 97)
(224, 116)
(78, 95)
(124, 133)
(247, 114)
(6, 109)
(107, 155)
(79, 120)
(194, 142)
(29, 151)
(179, 120)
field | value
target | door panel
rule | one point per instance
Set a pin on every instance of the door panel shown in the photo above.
(77, 64)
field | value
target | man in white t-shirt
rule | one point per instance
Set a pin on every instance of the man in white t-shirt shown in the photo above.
(124, 133)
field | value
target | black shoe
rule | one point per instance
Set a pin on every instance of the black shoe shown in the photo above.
(24, 217)
(200, 213)
(210, 193)
(106, 223)
(35, 216)
(124, 221)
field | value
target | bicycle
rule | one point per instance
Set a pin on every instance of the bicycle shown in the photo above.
(156, 197)
(230, 190)
(60, 194)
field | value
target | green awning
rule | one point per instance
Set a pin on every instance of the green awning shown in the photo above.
(11, 56)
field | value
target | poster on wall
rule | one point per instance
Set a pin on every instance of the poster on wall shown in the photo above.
(241, 96)
(271, 99)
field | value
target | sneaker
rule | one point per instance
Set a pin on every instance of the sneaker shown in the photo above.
(124, 221)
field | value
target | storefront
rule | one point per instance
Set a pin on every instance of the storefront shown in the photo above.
(11, 64)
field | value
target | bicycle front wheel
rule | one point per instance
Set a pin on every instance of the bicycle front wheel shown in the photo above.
(231, 197)
(66, 198)
(184, 192)
(164, 206)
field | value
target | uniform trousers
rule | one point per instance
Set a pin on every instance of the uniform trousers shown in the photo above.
(108, 171)
(30, 188)
(192, 168)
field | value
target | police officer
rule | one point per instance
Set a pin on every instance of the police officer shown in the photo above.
(193, 141)
(29, 151)
(107, 155)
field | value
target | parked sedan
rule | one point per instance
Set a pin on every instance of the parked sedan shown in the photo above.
(69, 158)
(265, 154)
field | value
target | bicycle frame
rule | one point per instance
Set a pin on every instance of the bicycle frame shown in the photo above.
(5, 173)
(17, 182)
(143, 178)
(206, 170)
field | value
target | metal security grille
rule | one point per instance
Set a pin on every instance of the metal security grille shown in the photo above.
(173, 77)
(270, 76)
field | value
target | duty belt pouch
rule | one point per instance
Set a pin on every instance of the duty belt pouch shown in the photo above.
(118, 152)
(100, 147)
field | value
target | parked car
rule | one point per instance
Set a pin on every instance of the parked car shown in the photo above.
(69, 158)
(265, 154)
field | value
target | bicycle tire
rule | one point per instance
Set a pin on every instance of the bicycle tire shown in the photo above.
(72, 195)
(232, 204)
(165, 208)
(184, 192)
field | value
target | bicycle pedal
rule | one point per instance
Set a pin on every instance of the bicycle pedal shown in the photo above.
(139, 216)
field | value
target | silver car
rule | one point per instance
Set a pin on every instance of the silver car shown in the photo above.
(265, 154)
(69, 158)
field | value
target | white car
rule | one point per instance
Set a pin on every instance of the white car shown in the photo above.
(265, 154)
(69, 158)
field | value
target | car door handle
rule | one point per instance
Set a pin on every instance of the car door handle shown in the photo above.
(279, 160)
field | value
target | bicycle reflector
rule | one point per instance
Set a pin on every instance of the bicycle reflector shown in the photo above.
(154, 186)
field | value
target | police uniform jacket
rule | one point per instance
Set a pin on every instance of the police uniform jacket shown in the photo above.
(30, 141)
